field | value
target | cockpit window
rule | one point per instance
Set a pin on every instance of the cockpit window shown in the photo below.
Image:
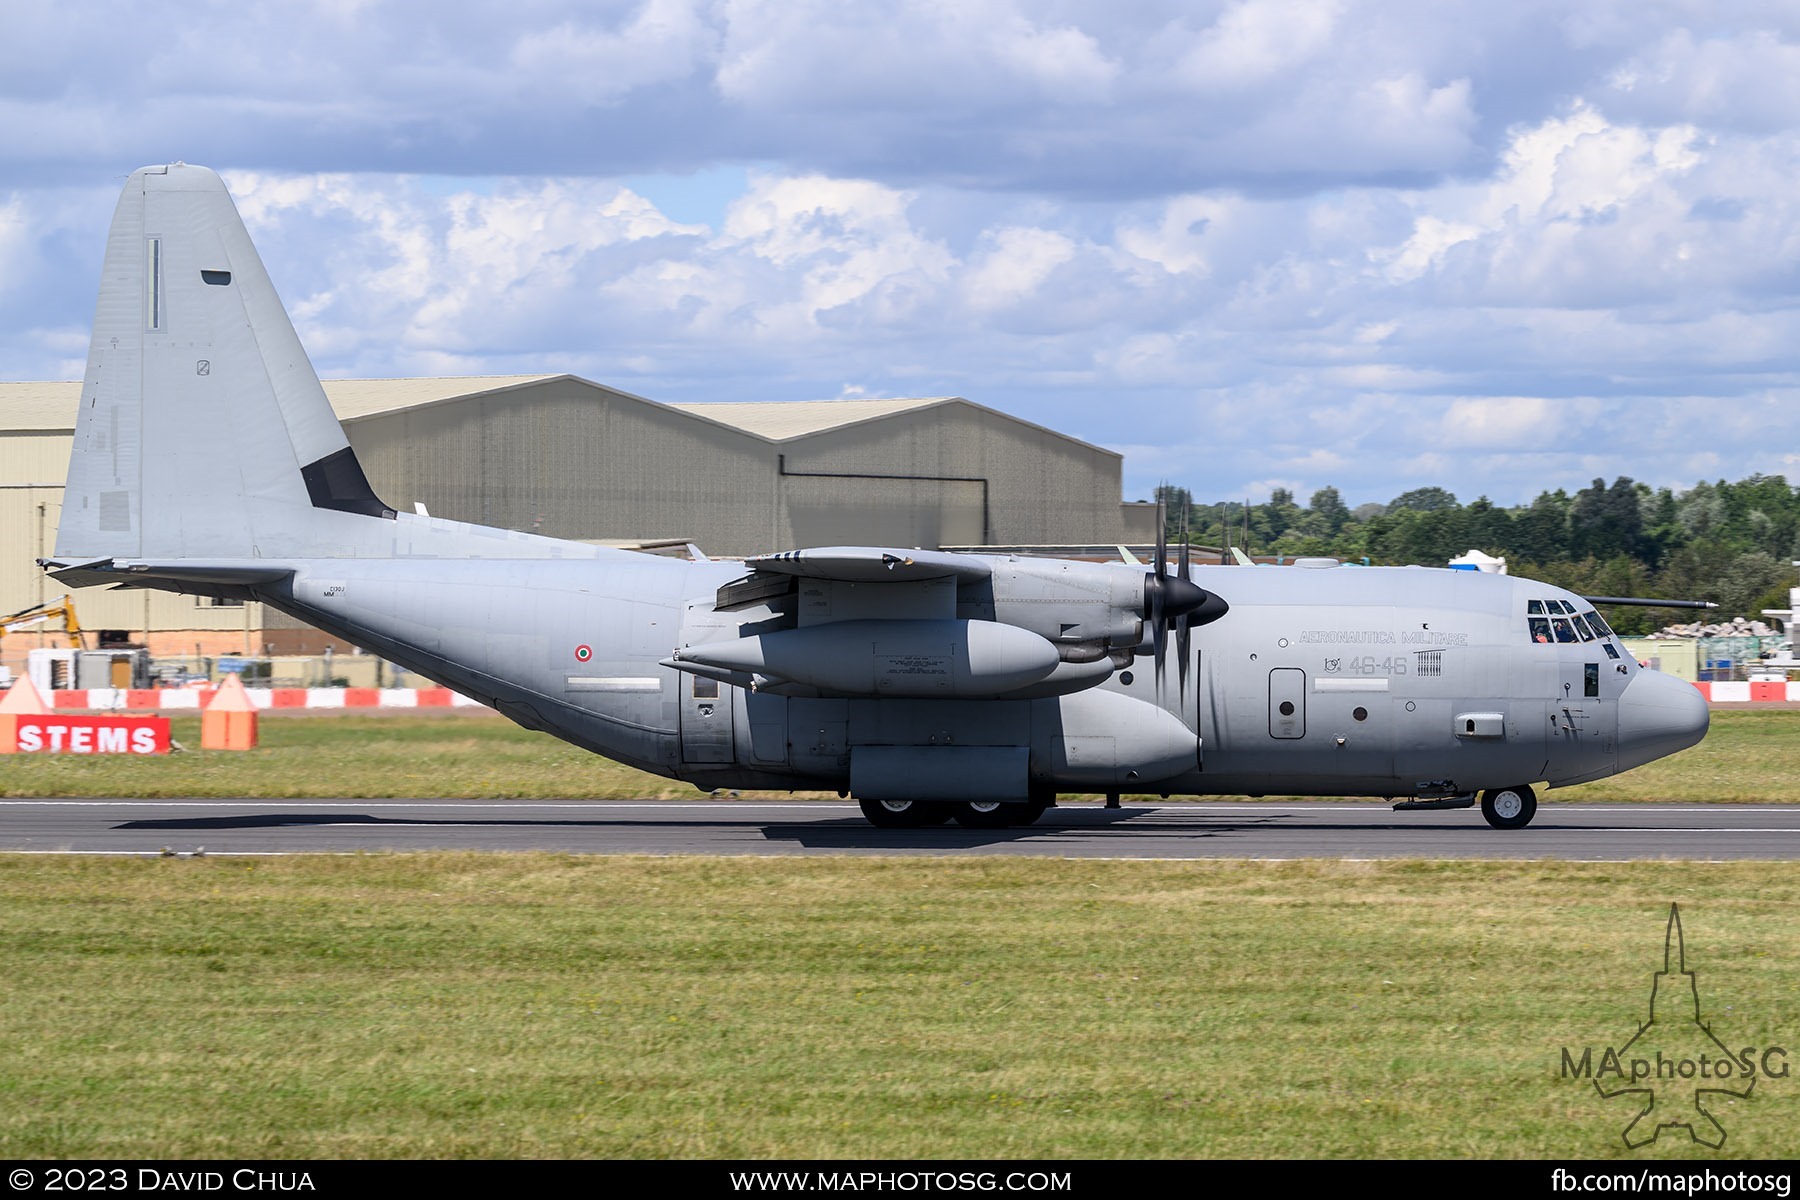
(1572, 625)
(1611, 650)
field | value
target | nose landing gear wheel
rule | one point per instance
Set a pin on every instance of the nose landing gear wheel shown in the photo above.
(903, 814)
(1509, 808)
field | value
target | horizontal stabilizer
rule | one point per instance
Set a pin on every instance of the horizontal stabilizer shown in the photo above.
(142, 574)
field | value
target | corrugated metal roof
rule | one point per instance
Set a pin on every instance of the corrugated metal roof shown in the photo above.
(779, 420)
(51, 406)
(39, 406)
(352, 398)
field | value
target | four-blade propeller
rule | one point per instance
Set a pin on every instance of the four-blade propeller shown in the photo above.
(1175, 603)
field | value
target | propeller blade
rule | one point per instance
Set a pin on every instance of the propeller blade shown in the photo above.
(1183, 624)
(1159, 631)
(1158, 587)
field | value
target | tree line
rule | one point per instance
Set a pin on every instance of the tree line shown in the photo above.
(1732, 543)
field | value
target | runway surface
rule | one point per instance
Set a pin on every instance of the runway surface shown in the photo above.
(1333, 830)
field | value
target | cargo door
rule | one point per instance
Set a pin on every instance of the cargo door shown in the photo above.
(706, 719)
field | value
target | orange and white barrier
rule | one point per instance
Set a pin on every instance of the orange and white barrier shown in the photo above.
(1741, 692)
(194, 699)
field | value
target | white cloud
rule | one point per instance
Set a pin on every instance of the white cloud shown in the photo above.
(1259, 41)
(1015, 264)
(1352, 242)
(1747, 79)
(1183, 239)
(1506, 423)
(781, 54)
(12, 236)
(663, 41)
(844, 241)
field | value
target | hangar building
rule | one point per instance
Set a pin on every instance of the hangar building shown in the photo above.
(565, 457)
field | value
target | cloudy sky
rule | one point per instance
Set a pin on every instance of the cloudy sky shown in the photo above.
(1368, 243)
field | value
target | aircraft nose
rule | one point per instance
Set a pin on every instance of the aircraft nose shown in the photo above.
(1658, 715)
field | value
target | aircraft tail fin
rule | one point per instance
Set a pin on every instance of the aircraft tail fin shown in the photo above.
(203, 431)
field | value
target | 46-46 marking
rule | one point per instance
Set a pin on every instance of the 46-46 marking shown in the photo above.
(1368, 664)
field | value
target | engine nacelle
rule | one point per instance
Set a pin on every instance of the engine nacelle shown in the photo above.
(1098, 605)
(933, 659)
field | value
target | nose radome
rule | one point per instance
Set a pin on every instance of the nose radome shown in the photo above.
(1658, 715)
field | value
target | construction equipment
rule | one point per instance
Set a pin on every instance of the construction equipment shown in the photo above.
(62, 607)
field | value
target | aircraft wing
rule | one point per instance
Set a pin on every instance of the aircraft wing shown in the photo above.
(774, 575)
(872, 564)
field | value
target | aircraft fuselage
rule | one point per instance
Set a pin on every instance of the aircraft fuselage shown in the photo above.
(1342, 681)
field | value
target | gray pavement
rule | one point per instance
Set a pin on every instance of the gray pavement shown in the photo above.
(1577, 832)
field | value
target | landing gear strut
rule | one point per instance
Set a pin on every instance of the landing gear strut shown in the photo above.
(1509, 808)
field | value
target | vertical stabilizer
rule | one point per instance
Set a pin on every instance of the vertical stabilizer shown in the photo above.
(203, 431)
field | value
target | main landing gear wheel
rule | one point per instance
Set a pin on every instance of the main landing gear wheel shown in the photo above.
(991, 814)
(985, 814)
(1509, 808)
(903, 814)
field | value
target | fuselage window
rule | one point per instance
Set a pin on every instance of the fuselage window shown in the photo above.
(1565, 632)
(1540, 628)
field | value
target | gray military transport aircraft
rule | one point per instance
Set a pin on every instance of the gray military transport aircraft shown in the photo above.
(929, 685)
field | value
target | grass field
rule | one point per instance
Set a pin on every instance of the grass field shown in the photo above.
(548, 1006)
(514, 1006)
(1749, 756)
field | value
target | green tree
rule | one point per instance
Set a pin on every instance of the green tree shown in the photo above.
(1330, 511)
(1425, 499)
(1540, 533)
(1606, 521)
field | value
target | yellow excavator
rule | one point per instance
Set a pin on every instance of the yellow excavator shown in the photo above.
(64, 608)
